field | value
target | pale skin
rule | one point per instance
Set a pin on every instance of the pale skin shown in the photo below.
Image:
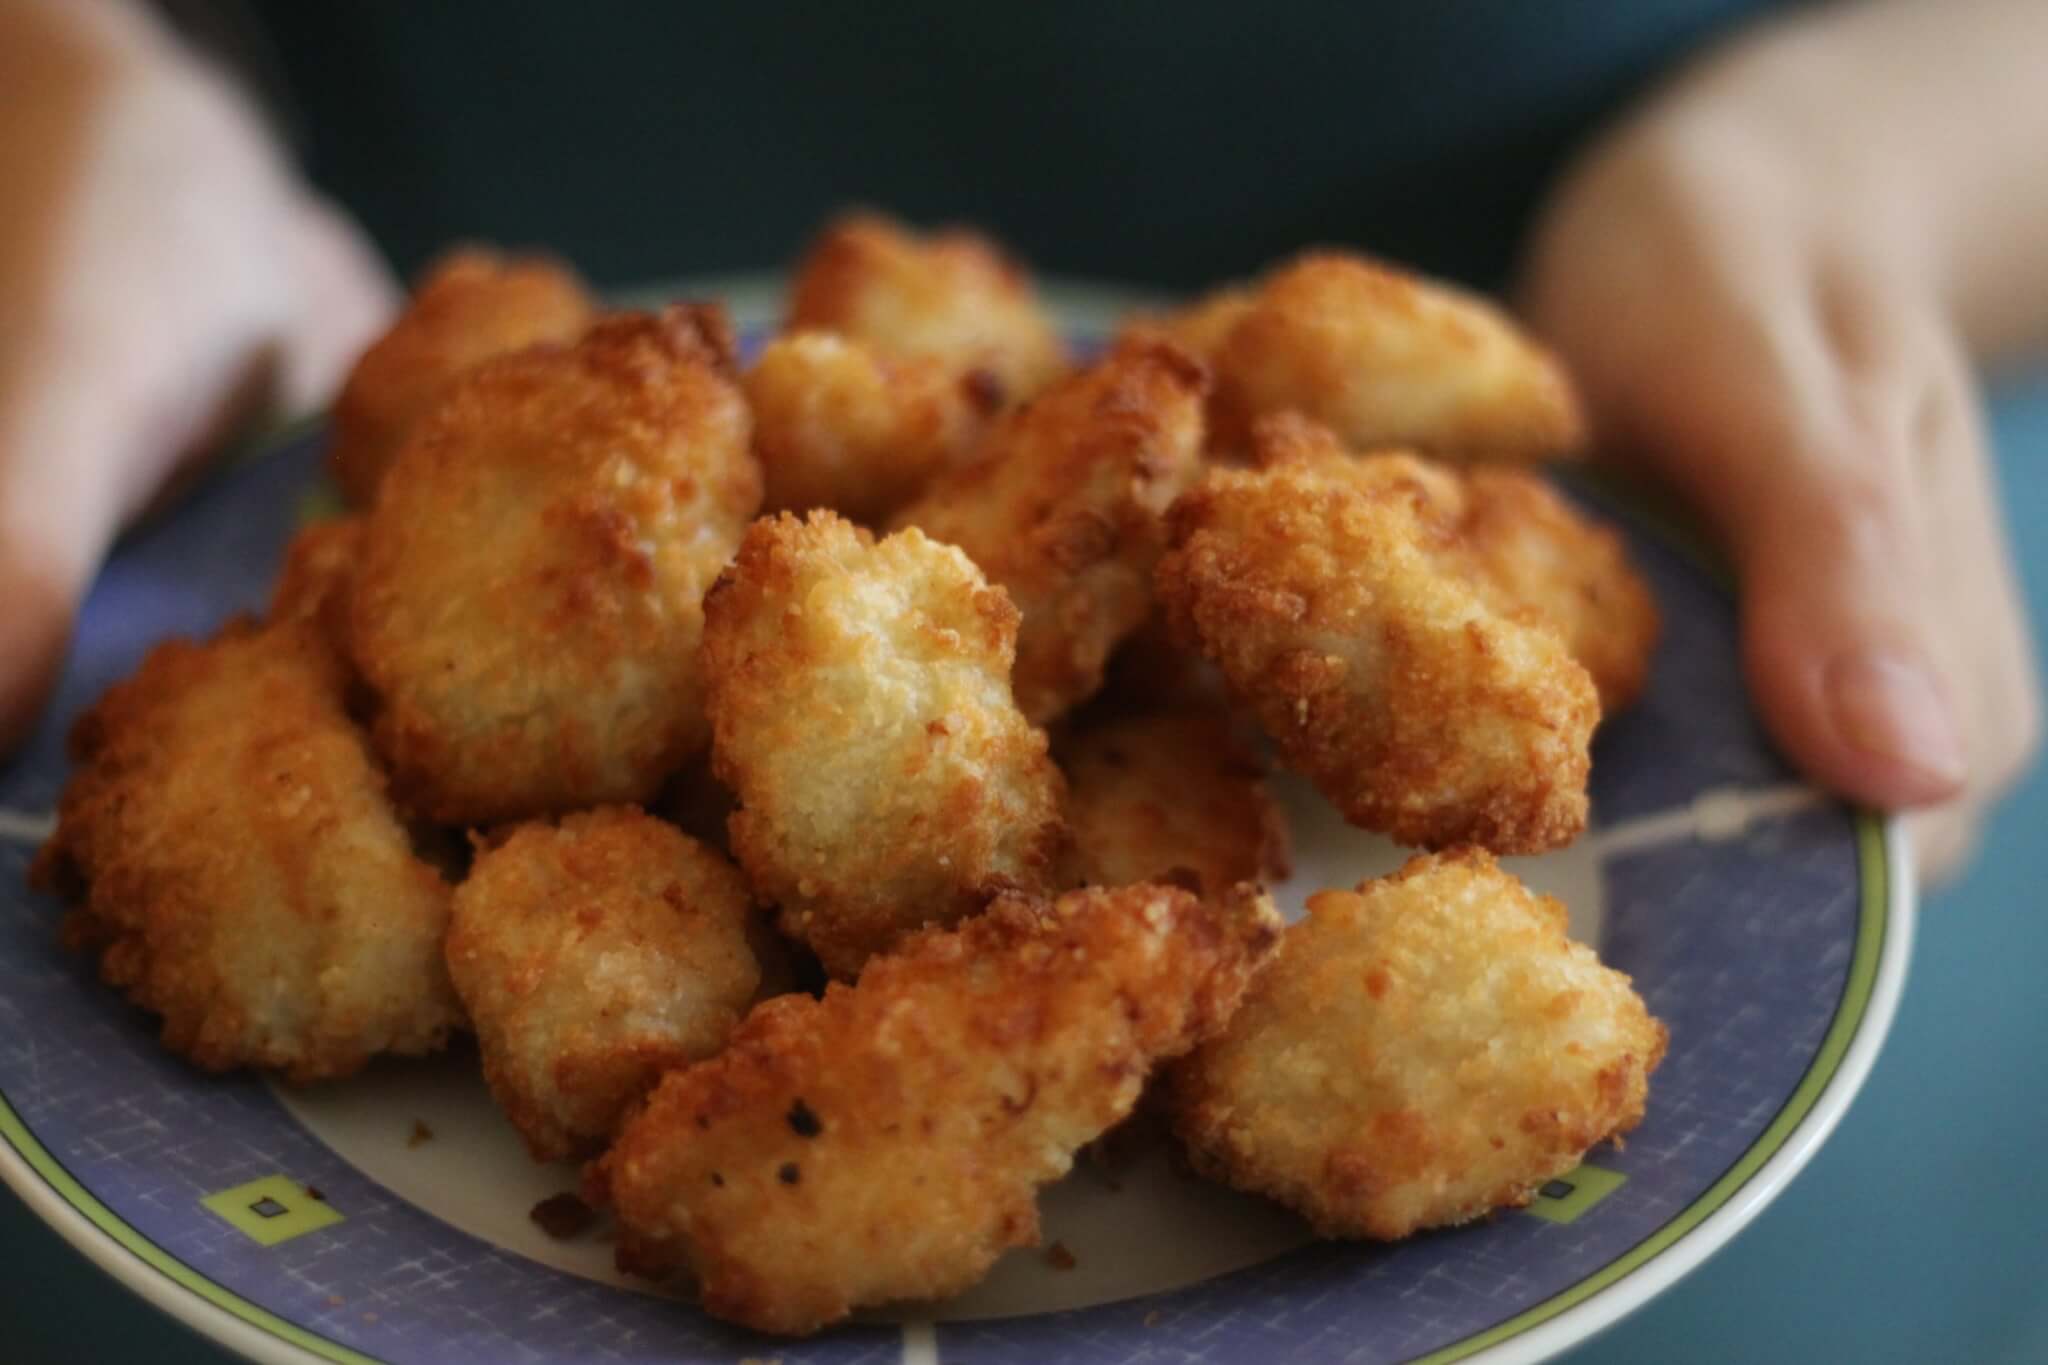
(1774, 278)
(1774, 281)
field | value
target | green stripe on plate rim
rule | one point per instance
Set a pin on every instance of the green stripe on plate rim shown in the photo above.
(67, 1187)
(1849, 1014)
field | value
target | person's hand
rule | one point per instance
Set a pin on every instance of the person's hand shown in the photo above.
(163, 275)
(1768, 339)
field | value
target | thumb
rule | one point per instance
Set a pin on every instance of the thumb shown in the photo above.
(1837, 639)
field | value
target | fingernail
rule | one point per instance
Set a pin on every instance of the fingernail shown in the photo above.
(1889, 706)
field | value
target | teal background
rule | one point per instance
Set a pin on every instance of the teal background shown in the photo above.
(1916, 1234)
(1159, 142)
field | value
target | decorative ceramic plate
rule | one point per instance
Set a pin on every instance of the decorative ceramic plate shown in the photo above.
(386, 1218)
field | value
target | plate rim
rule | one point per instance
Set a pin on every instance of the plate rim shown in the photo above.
(1841, 1064)
(1856, 1033)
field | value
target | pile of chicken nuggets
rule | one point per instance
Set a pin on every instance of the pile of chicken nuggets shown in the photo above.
(832, 788)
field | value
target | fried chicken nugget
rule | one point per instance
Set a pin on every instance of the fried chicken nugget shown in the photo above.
(861, 713)
(1517, 541)
(230, 853)
(1169, 796)
(471, 304)
(1536, 550)
(528, 606)
(952, 296)
(1388, 358)
(1414, 705)
(1200, 328)
(1423, 1050)
(886, 1141)
(841, 424)
(594, 955)
(1065, 507)
(317, 576)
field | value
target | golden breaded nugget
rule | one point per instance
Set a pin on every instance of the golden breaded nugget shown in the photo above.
(886, 1141)
(529, 602)
(1537, 551)
(1200, 328)
(1423, 1050)
(593, 956)
(234, 861)
(839, 423)
(471, 304)
(951, 296)
(1388, 358)
(1517, 541)
(861, 713)
(1064, 508)
(1414, 705)
(1169, 796)
(317, 576)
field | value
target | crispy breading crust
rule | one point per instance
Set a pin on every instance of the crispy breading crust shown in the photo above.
(1169, 796)
(951, 295)
(1517, 541)
(529, 601)
(230, 854)
(1389, 358)
(861, 713)
(1536, 550)
(1064, 507)
(840, 423)
(1424, 1050)
(470, 304)
(1200, 328)
(886, 1141)
(594, 955)
(1415, 707)
(317, 576)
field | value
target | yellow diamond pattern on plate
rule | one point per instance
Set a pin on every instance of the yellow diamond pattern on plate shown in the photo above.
(1565, 1198)
(272, 1210)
